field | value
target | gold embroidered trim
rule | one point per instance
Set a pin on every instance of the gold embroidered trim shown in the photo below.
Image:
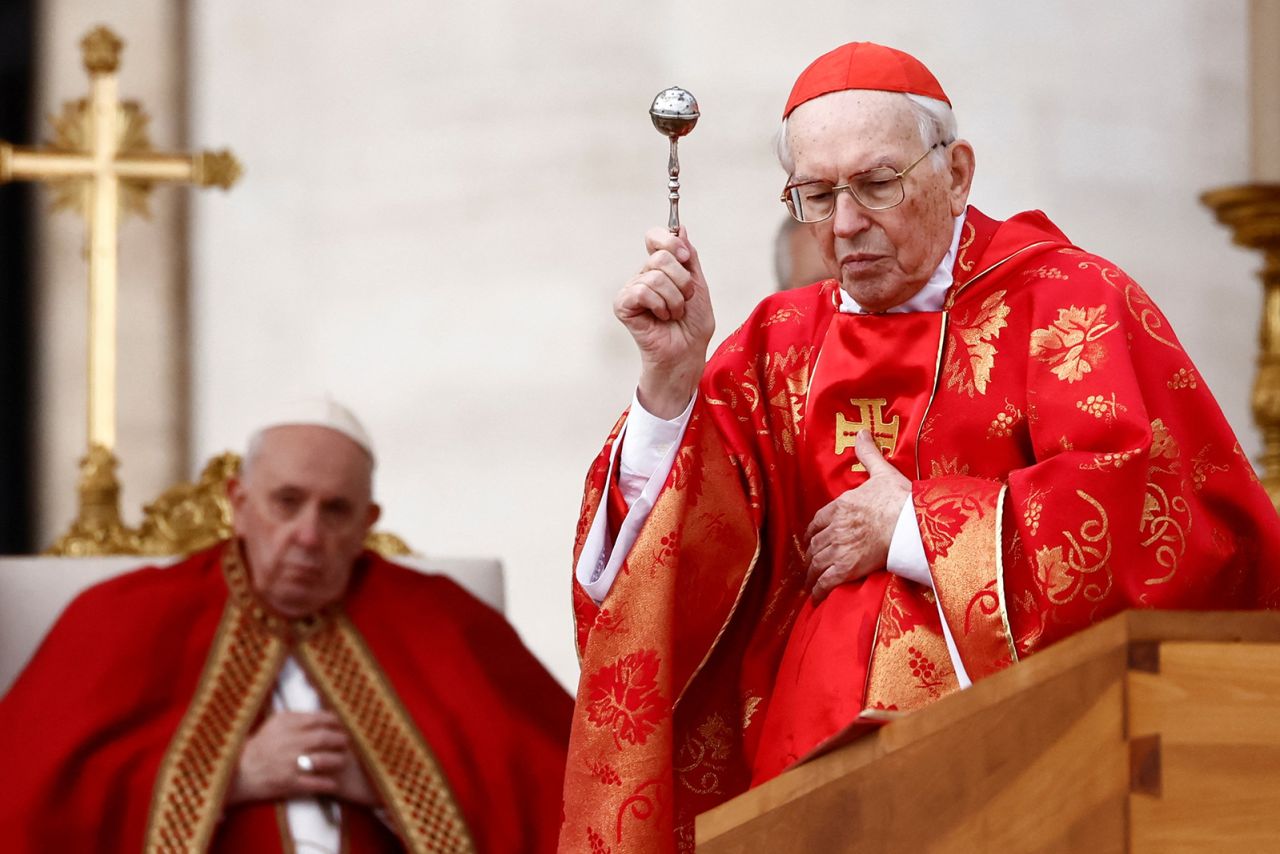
(953, 294)
(201, 758)
(1000, 594)
(402, 766)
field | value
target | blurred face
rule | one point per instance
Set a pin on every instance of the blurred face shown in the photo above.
(882, 258)
(807, 262)
(302, 511)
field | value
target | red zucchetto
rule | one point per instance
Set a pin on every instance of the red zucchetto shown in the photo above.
(864, 65)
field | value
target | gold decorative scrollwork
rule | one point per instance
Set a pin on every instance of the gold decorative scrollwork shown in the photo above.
(1083, 566)
(1166, 520)
(190, 516)
(703, 757)
(1140, 306)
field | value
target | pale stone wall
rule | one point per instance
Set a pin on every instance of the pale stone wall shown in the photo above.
(441, 200)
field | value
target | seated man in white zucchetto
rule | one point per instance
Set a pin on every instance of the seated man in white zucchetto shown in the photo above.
(285, 690)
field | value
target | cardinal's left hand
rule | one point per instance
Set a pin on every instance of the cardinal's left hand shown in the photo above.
(849, 538)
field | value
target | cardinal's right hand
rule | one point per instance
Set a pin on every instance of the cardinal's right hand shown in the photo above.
(667, 309)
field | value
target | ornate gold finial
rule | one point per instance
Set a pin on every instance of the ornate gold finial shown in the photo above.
(98, 529)
(1252, 212)
(101, 51)
(216, 169)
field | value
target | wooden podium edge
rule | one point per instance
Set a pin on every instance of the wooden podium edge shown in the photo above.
(1132, 636)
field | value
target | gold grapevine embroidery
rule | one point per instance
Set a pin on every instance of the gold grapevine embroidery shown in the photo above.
(870, 417)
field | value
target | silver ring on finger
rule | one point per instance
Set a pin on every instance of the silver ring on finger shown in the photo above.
(305, 763)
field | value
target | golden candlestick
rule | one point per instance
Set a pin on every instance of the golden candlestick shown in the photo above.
(101, 164)
(1252, 212)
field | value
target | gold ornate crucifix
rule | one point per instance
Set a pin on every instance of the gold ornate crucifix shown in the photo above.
(101, 163)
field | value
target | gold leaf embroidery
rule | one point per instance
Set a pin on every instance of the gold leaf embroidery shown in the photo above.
(1163, 447)
(944, 466)
(942, 515)
(978, 334)
(1069, 344)
(786, 387)
(749, 707)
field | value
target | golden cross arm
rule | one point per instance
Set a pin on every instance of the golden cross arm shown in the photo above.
(205, 169)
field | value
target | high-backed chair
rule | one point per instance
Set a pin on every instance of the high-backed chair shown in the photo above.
(188, 517)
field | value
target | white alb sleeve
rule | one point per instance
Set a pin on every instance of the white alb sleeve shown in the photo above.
(649, 446)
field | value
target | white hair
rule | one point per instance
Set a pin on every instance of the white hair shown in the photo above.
(936, 119)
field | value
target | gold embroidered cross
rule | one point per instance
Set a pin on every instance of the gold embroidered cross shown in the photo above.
(870, 417)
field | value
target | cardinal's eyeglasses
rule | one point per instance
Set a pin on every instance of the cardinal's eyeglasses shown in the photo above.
(876, 189)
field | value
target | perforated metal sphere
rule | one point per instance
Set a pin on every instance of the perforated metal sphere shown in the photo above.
(674, 112)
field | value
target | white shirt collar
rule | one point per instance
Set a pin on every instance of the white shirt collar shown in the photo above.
(934, 292)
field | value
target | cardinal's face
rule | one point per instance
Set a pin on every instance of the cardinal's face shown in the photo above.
(302, 510)
(882, 258)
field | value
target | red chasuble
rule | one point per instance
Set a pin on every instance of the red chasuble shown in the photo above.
(865, 364)
(1068, 462)
(123, 732)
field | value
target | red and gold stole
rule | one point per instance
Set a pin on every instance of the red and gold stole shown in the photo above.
(240, 669)
(874, 372)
